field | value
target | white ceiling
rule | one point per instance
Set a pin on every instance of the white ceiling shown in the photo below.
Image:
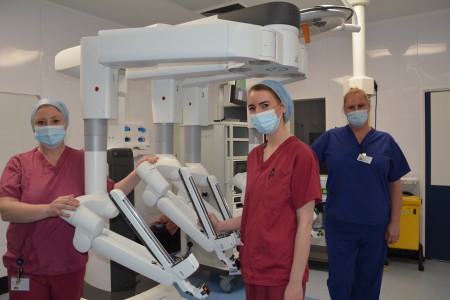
(140, 13)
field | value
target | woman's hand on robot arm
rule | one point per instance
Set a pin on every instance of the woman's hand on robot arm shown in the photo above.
(128, 183)
(150, 158)
(223, 226)
(214, 220)
(13, 210)
(67, 202)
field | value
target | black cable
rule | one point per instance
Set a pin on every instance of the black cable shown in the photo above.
(376, 103)
(220, 120)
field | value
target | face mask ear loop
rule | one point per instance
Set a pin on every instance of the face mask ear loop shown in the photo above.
(279, 120)
(275, 110)
(278, 106)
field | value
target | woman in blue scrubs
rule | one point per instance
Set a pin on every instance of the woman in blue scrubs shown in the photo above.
(364, 200)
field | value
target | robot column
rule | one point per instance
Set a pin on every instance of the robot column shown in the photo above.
(99, 86)
(167, 110)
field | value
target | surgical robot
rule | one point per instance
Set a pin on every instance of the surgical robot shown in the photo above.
(258, 41)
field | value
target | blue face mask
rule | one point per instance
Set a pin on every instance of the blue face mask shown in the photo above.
(266, 122)
(358, 117)
(50, 136)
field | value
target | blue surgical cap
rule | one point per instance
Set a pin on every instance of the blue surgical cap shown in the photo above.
(49, 101)
(281, 92)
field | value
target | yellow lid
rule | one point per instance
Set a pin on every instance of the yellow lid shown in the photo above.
(412, 200)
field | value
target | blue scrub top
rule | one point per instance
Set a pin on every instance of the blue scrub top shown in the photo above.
(358, 192)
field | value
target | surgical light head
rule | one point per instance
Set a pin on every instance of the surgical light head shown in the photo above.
(282, 94)
(54, 102)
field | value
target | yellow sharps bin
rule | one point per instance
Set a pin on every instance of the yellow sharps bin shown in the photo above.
(410, 228)
(409, 224)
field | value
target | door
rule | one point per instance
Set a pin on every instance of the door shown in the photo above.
(309, 121)
(437, 173)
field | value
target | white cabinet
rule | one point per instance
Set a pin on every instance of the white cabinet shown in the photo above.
(225, 146)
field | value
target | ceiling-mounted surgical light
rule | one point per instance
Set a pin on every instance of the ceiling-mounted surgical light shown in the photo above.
(323, 18)
(295, 75)
(239, 70)
(277, 69)
(260, 62)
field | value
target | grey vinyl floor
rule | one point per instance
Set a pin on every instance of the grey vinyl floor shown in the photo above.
(401, 281)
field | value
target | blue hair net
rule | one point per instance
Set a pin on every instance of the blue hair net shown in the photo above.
(281, 92)
(49, 101)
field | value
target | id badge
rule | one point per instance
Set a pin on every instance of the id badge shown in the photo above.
(364, 158)
(21, 285)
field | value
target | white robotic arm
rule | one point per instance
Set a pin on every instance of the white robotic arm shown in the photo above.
(179, 269)
(185, 216)
(240, 181)
(88, 219)
(174, 207)
(222, 242)
(91, 234)
(202, 178)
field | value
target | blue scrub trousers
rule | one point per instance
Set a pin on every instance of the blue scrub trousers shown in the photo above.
(356, 256)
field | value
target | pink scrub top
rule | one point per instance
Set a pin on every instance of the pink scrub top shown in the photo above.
(275, 190)
(45, 246)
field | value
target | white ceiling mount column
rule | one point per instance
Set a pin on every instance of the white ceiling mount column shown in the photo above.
(359, 79)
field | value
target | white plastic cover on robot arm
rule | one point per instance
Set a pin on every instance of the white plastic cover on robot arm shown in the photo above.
(199, 173)
(203, 179)
(157, 193)
(179, 268)
(240, 181)
(169, 167)
(88, 219)
(131, 255)
(225, 212)
(90, 233)
(222, 242)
